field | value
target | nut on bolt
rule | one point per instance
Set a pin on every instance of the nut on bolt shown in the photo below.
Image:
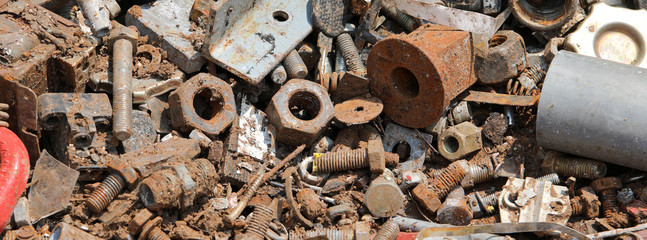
(204, 102)
(373, 156)
(506, 58)
(460, 140)
(299, 112)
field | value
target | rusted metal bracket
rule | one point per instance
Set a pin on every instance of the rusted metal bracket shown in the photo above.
(500, 228)
(249, 37)
(499, 99)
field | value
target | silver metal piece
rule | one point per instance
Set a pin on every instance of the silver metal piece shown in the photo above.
(53, 184)
(395, 134)
(340, 64)
(462, 112)
(279, 75)
(306, 176)
(604, 126)
(96, 12)
(143, 132)
(251, 136)
(249, 37)
(612, 33)
(143, 89)
(532, 200)
(152, 20)
(294, 65)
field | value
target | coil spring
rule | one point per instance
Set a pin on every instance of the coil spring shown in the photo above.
(341, 160)
(481, 173)
(531, 77)
(447, 179)
(4, 116)
(259, 221)
(552, 178)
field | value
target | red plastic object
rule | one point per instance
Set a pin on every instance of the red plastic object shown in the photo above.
(407, 236)
(14, 171)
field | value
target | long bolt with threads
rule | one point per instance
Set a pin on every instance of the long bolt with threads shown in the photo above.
(101, 197)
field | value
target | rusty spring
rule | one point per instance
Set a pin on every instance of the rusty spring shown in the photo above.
(576, 206)
(331, 234)
(581, 168)
(4, 116)
(157, 234)
(389, 231)
(258, 222)
(447, 179)
(342, 160)
(534, 74)
(103, 195)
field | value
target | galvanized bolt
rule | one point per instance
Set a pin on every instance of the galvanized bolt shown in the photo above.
(258, 222)
(373, 156)
(389, 231)
(607, 187)
(409, 23)
(348, 49)
(556, 162)
(295, 66)
(552, 178)
(124, 46)
(103, 195)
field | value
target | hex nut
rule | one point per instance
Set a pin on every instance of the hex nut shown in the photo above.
(426, 198)
(460, 140)
(375, 151)
(506, 58)
(383, 197)
(138, 221)
(314, 110)
(119, 31)
(606, 183)
(204, 102)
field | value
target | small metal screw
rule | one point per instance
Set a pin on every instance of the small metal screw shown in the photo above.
(573, 166)
(295, 66)
(103, 195)
(279, 75)
(348, 49)
(552, 178)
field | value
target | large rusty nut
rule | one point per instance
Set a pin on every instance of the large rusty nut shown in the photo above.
(383, 197)
(606, 183)
(119, 31)
(417, 75)
(300, 111)
(203, 102)
(543, 15)
(460, 140)
(506, 58)
(375, 150)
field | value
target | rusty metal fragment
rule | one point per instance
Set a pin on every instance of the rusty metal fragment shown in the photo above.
(499, 98)
(52, 187)
(417, 75)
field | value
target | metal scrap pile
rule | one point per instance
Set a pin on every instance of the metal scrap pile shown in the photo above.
(335, 119)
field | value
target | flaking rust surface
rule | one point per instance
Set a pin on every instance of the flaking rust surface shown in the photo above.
(52, 187)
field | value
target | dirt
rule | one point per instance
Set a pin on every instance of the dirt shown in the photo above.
(495, 127)
(311, 206)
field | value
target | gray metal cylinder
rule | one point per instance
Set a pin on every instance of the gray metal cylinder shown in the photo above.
(594, 108)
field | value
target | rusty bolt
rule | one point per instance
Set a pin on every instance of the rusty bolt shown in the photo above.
(389, 231)
(448, 178)
(383, 197)
(373, 157)
(409, 23)
(4, 116)
(300, 111)
(417, 75)
(458, 141)
(350, 53)
(204, 102)
(556, 162)
(294, 65)
(123, 41)
(505, 59)
(103, 195)
(607, 187)
(152, 231)
(586, 203)
(455, 210)
(138, 221)
(258, 222)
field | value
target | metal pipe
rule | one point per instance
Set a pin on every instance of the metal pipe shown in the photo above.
(593, 108)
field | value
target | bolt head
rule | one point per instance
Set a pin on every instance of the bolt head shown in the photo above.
(607, 183)
(138, 221)
(119, 31)
(375, 151)
(384, 198)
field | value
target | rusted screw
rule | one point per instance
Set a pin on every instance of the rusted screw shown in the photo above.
(279, 75)
(124, 45)
(389, 231)
(242, 202)
(607, 187)
(556, 162)
(373, 157)
(348, 49)
(103, 195)
(152, 231)
(295, 66)
(4, 116)
(408, 22)
(440, 186)
(259, 221)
